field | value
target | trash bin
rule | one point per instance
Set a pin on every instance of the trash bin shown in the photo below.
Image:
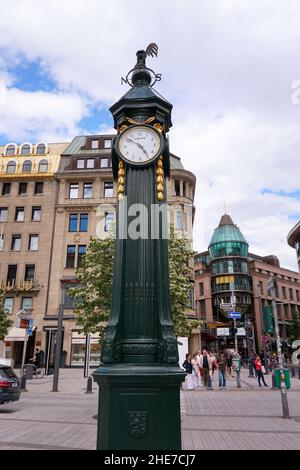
(63, 357)
(287, 378)
(29, 371)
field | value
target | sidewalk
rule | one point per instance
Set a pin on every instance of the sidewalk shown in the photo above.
(247, 418)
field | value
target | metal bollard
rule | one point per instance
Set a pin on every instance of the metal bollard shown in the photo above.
(23, 383)
(251, 374)
(89, 385)
(298, 373)
(293, 372)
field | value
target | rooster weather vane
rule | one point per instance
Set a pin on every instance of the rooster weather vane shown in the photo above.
(151, 50)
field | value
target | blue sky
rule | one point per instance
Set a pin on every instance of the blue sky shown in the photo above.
(234, 81)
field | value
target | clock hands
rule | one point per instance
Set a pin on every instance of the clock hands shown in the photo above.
(139, 145)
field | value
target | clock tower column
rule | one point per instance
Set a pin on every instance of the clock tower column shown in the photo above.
(139, 376)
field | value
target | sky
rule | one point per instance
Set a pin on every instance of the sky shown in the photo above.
(231, 69)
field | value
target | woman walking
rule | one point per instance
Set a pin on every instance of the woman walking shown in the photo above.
(187, 365)
(258, 368)
(196, 371)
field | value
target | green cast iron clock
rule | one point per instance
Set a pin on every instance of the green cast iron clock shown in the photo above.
(139, 145)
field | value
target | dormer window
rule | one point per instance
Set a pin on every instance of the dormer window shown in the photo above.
(11, 167)
(26, 149)
(43, 166)
(11, 149)
(107, 143)
(95, 144)
(41, 149)
(27, 165)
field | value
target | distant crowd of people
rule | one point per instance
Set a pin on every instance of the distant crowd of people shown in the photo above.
(201, 368)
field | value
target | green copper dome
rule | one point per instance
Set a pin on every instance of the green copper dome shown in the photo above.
(227, 240)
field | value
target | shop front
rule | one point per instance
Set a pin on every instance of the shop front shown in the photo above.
(79, 349)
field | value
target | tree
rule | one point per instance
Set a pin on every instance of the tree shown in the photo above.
(5, 321)
(93, 293)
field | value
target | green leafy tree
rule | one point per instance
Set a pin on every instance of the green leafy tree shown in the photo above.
(5, 321)
(93, 293)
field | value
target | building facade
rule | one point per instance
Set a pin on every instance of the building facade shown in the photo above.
(27, 212)
(55, 198)
(228, 273)
(293, 240)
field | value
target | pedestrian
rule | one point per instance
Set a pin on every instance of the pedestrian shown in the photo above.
(221, 363)
(187, 365)
(198, 357)
(258, 368)
(213, 365)
(228, 363)
(196, 372)
(206, 365)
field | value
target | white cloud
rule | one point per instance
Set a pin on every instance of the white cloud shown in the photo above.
(228, 68)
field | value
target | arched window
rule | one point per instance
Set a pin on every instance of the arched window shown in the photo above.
(43, 166)
(41, 149)
(26, 149)
(27, 165)
(10, 150)
(11, 167)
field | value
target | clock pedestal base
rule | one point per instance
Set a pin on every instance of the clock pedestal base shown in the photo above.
(139, 407)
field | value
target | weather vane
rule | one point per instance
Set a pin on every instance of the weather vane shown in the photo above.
(151, 50)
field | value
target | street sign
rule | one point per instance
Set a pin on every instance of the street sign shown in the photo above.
(225, 306)
(241, 332)
(222, 331)
(235, 314)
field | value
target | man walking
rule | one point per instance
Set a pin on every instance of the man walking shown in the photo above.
(221, 363)
(206, 365)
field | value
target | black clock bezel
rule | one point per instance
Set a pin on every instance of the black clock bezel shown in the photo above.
(148, 162)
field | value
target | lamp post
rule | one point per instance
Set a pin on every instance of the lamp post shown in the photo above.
(264, 343)
(238, 372)
(271, 285)
(58, 345)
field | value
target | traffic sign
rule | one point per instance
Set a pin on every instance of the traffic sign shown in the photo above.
(225, 306)
(235, 314)
(222, 331)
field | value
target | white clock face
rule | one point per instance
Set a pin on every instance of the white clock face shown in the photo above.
(139, 144)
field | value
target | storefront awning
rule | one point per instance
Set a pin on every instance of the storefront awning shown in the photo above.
(15, 334)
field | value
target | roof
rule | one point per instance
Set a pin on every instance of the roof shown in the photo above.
(294, 235)
(227, 232)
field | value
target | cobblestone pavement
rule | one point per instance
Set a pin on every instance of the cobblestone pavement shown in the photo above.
(247, 418)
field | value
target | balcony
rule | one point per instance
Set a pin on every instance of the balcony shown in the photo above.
(20, 286)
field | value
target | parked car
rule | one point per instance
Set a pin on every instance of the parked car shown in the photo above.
(9, 385)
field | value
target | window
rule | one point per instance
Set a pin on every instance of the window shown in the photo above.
(297, 296)
(95, 144)
(104, 162)
(3, 214)
(11, 273)
(33, 244)
(71, 250)
(39, 188)
(87, 190)
(9, 304)
(283, 292)
(291, 294)
(69, 302)
(178, 220)
(29, 272)
(19, 215)
(73, 190)
(201, 288)
(107, 143)
(26, 149)
(203, 309)
(41, 149)
(15, 243)
(81, 253)
(80, 163)
(90, 163)
(36, 213)
(11, 167)
(6, 189)
(27, 166)
(177, 188)
(22, 188)
(83, 225)
(73, 220)
(43, 166)
(109, 217)
(1, 241)
(108, 189)
(26, 303)
(10, 150)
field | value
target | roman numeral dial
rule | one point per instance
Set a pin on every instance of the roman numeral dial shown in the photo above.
(140, 144)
